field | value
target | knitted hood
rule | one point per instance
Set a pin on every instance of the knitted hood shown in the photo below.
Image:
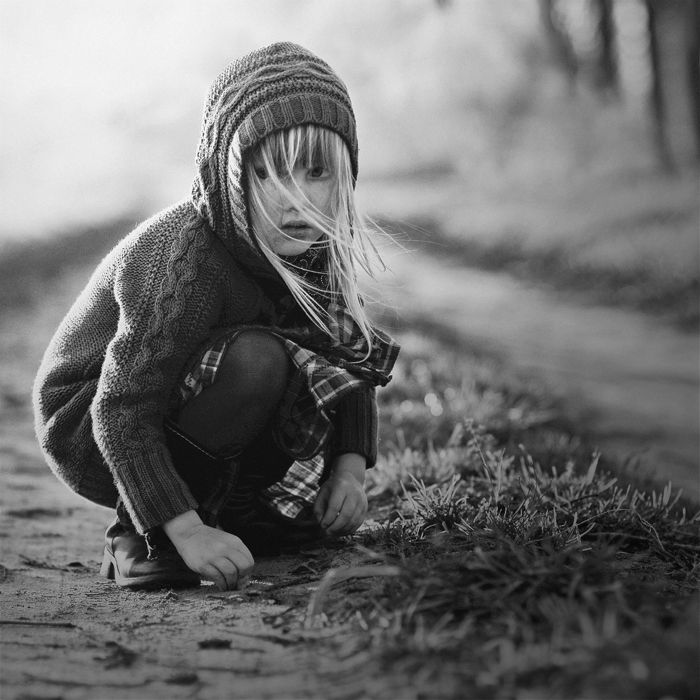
(273, 88)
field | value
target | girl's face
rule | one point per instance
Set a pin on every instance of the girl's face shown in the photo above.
(284, 226)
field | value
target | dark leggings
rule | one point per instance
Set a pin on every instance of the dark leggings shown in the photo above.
(228, 424)
(222, 445)
(250, 382)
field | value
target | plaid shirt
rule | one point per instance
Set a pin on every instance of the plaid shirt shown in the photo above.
(326, 370)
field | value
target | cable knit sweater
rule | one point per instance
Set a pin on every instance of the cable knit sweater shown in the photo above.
(111, 371)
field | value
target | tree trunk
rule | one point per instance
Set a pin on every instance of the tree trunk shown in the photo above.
(658, 112)
(607, 77)
(693, 62)
(559, 40)
(673, 39)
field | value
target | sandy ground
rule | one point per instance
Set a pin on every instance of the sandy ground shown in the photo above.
(67, 633)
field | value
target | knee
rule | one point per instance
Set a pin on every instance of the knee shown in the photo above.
(255, 363)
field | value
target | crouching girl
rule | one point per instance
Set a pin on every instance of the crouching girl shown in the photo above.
(215, 381)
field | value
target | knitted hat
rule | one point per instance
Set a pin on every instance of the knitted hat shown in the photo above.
(276, 87)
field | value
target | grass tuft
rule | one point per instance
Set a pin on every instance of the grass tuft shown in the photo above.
(515, 575)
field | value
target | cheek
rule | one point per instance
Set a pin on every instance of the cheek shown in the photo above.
(268, 204)
(322, 197)
(270, 196)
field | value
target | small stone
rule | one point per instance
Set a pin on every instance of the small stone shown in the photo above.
(183, 679)
(214, 644)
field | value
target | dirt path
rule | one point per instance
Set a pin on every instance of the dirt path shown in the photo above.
(67, 633)
(638, 376)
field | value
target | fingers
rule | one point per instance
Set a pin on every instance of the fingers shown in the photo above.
(241, 557)
(223, 573)
(226, 560)
(217, 555)
(225, 546)
(321, 502)
(334, 509)
(339, 523)
(343, 505)
(357, 519)
(349, 518)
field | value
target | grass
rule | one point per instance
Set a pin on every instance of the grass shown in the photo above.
(504, 574)
(431, 391)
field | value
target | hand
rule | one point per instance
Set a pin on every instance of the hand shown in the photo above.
(214, 554)
(341, 504)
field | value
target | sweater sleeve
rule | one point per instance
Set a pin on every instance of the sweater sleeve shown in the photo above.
(355, 425)
(166, 291)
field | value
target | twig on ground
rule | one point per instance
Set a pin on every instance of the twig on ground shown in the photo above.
(37, 623)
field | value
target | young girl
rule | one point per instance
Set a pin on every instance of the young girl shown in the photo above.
(215, 381)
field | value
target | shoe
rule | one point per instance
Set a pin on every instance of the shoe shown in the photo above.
(139, 562)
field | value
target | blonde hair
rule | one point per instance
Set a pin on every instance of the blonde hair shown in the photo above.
(346, 234)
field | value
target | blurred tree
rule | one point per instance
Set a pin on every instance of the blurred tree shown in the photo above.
(583, 39)
(673, 27)
(656, 98)
(694, 70)
(673, 41)
(606, 74)
(559, 40)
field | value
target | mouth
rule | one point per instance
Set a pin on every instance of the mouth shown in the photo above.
(296, 228)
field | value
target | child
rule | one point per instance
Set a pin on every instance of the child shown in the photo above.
(215, 381)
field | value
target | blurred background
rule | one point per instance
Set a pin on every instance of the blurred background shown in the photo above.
(537, 159)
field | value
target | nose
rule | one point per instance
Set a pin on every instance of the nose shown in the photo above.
(296, 187)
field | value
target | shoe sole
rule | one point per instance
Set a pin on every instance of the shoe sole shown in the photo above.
(152, 582)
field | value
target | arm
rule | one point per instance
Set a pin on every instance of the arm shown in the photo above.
(161, 323)
(341, 505)
(168, 295)
(355, 425)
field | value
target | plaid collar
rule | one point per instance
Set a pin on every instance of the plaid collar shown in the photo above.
(347, 347)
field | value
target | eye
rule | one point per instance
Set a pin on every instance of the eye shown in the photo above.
(317, 171)
(260, 171)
